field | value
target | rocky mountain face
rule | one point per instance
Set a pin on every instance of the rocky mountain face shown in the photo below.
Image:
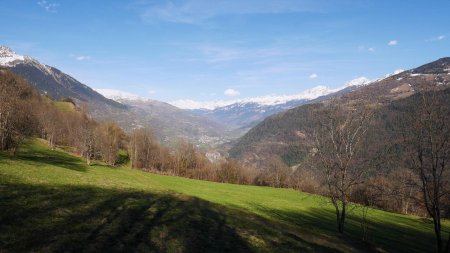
(283, 134)
(169, 123)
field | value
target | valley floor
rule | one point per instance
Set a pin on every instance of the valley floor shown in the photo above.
(50, 201)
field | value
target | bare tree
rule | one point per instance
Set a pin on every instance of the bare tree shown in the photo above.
(87, 139)
(185, 159)
(426, 134)
(278, 172)
(144, 150)
(337, 146)
(17, 119)
(109, 138)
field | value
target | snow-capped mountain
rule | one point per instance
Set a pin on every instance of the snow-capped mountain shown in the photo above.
(119, 95)
(261, 100)
(247, 112)
(128, 110)
(356, 82)
(8, 57)
(268, 100)
(49, 80)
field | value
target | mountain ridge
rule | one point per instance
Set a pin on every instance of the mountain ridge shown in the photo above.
(50, 80)
(247, 113)
(281, 134)
(168, 122)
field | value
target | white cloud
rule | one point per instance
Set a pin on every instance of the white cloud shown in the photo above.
(438, 38)
(231, 92)
(363, 48)
(219, 54)
(83, 58)
(392, 43)
(49, 7)
(313, 76)
(152, 92)
(198, 11)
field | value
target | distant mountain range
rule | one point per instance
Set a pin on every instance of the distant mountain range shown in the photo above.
(169, 122)
(208, 124)
(282, 134)
(244, 114)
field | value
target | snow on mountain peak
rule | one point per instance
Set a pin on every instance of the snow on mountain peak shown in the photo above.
(119, 95)
(315, 92)
(8, 57)
(357, 82)
(4, 50)
(261, 100)
(309, 94)
(398, 71)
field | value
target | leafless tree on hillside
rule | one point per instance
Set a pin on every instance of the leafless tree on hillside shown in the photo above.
(337, 146)
(426, 135)
(17, 119)
(144, 150)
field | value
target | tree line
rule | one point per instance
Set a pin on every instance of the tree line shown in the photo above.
(26, 113)
(341, 162)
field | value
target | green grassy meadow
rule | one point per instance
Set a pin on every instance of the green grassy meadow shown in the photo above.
(50, 201)
(64, 106)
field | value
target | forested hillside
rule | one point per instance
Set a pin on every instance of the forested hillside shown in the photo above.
(282, 134)
(373, 138)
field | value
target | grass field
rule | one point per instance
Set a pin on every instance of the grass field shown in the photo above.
(64, 106)
(50, 201)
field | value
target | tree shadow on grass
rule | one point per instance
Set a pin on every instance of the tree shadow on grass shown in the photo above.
(37, 218)
(391, 236)
(85, 219)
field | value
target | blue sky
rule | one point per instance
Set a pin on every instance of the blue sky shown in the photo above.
(199, 49)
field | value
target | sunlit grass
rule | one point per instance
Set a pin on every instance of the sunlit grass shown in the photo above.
(52, 200)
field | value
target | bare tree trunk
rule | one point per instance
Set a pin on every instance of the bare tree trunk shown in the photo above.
(437, 232)
(342, 219)
(338, 218)
(447, 248)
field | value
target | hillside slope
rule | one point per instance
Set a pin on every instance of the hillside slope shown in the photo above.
(283, 134)
(51, 81)
(169, 123)
(172, 123)
(51, 201)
